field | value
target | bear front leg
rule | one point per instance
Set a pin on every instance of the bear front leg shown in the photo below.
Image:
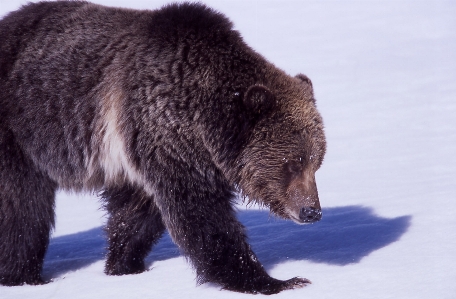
(133, 227)
(202, 222)
(26, 215)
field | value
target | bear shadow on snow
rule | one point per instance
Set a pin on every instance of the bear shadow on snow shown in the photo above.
(344, 236)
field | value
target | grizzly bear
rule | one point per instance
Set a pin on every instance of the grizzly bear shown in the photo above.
(169, 115)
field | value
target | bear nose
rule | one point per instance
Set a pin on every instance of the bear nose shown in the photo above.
(309, 215)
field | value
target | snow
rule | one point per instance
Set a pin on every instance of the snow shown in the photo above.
(384, 74)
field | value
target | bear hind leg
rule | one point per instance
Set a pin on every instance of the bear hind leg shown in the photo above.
(133, 227)
(26, 215)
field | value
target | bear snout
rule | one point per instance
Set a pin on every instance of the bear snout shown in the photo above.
(303, 204)
(310, 215)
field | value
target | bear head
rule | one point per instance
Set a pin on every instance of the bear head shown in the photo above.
(286, 147)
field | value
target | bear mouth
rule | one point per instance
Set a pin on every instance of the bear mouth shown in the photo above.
(307, 215)
(298, 221)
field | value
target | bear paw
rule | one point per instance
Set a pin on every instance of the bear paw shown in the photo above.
(271, 286)
(296, 283)
(18, 281)
(277, 286)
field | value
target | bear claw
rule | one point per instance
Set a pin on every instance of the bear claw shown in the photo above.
(296, 283)
(279, 285)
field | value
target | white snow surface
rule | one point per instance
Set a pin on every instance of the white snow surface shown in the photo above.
(384, 74)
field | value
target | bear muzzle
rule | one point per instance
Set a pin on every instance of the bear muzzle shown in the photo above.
(303, 205)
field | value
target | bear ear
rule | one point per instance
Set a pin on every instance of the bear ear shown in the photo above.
(304, 79)
(307, 85)
(259, 99)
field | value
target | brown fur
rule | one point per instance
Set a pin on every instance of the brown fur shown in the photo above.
(169, 114)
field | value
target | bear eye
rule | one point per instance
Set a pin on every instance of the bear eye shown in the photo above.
(294, 168)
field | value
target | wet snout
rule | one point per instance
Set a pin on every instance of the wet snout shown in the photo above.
(309, 215)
